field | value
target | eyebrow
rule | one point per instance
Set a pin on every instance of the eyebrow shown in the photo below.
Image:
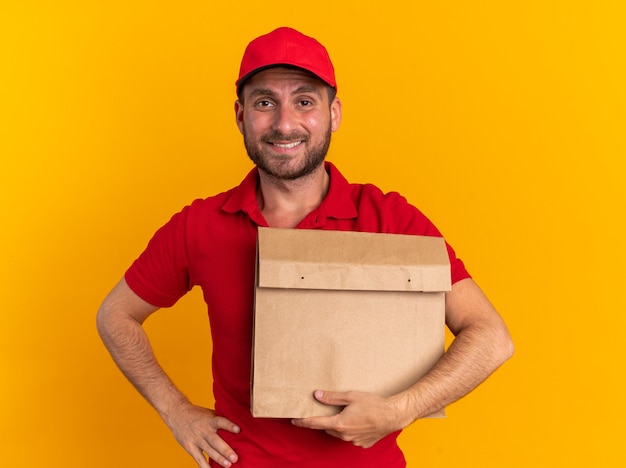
(261, 92)
(308, 89)
(268, 92)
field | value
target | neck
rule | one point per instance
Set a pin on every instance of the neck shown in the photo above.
(284, 203)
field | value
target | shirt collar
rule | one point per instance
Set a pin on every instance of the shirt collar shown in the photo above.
(243, 198)
(337, 203)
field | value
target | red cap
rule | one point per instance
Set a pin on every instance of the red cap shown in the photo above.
(286, 46)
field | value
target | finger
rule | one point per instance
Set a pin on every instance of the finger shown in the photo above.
(333, 398)
(326, 426)
(218, 450)
(225, 459)
(320, 422)
(226, 425)
(198, 455)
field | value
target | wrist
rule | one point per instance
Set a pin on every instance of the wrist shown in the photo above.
(172, 407)
(406, 407)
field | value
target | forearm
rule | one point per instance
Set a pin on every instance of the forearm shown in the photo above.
(366, 418)
(475, 353)
(130, 348)
(119, 322)
(482, 343)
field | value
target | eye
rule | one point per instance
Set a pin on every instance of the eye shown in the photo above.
(306, 103)
(263, 104)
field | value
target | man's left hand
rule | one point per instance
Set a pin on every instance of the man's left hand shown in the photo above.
(364, 420)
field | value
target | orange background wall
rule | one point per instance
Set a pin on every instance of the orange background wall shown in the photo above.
(503, 121)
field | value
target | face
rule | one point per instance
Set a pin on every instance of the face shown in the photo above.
(286, 121)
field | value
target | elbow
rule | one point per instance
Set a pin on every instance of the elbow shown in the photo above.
(505, 345)
(508, 350)
(101, 321)
(107, 321)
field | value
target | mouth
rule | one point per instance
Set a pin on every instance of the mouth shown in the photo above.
(290, 145)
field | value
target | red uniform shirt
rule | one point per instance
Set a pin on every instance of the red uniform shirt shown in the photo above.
(212, 243)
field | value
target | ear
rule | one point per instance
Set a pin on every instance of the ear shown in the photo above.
(239, 115)
(335, 114)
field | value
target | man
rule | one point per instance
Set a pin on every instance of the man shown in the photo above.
(286, 110)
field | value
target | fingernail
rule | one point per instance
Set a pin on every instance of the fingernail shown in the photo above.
(319, 394)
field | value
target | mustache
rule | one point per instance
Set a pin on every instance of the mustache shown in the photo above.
(279, 136)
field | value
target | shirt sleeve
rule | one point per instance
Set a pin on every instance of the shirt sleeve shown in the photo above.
(160, 275)
(457, 267)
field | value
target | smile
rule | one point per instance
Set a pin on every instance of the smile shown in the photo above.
(287, 145)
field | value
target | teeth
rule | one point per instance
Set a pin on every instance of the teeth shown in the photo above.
(288, 145)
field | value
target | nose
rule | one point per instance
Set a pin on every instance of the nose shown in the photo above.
(284, 119)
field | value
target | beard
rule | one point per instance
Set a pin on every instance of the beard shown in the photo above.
(281, 168)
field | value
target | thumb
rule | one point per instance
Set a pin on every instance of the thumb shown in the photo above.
(332, 398)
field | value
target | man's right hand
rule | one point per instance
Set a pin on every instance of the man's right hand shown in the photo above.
(195, 428)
